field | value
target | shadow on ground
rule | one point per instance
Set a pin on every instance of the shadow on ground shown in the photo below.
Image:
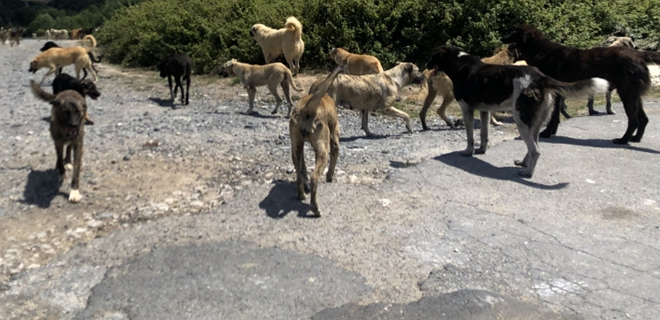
(281, 200)
(42, 187)
(596, 143)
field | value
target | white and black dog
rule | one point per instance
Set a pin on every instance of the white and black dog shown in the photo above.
(523, 90)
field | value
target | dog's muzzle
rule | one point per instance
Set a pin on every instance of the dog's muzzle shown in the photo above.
(33, 70)
(71, 131)
(304, 133)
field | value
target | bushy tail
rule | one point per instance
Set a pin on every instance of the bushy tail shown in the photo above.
(579, 89)
(91, 39)
(289, 77)
(649, 56)
(94, 58)
(292, 24)
(40, 93)
(323, 88)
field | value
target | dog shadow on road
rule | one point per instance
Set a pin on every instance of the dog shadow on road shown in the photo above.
(42, 187)
(478, 167)
(596, 143)
(163, 102)
(282, 200)
(371, 137)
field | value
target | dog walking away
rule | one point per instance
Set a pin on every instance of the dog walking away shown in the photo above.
(315, 120)
(271, 75)
(179, 66)
(625, 69)
(51, 44)
(87, 87)
(373, 91)
(15, 36)
(67, 130)
(55, 58)
(356, 64)
(522, 90)
(287, 41)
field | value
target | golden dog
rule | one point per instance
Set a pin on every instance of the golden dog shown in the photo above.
(373, 91)
(315, 120)
(287, 41)
(55, 58)
(75, 34)
(439, 83)
(271, 75)
(356, 64)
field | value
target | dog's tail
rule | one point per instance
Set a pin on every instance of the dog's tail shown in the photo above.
(93, 57)
(651, 57)
(323, 87)
(578, 89)
(292, 24)
(289, 77)
(92, 40)
(40, 93)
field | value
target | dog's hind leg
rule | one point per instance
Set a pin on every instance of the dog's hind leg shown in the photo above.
(392, 111)
(468, 118)
(590, 106)
(287, 95)
(169, 81)
(485, 118)
(442, 110)
(631, 105)
(553, 124)
(365, 122)
(278, 101)
(187, 89)
(608, 102)
(432, 93)
(533, 152)
(298, 158)
(334, 153)
(643, 121)
(178, 85)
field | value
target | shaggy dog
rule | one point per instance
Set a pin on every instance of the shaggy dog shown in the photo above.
(15, 36)
(525, 91)
(314, 119)
(356, 64)
(178, 65)
(56, 58)
(372, 92)
(439, 83)
(287, 40)
(626, 69)
(67, 130)
(271, 75)
(51, 44)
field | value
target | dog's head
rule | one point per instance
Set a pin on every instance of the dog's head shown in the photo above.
(162, 67)
(69, 111)
(228, 67)
(409, 73)
(48, 45)
(89, 88)
(444, 57)
(256, 29)
(34, 65)
(521, 36)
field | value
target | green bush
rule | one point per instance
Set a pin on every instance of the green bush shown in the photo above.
(212, 32)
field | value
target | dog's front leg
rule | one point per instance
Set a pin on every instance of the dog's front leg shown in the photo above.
(59, 150)
(485, 119)
(468, 118)
(169, 81)
(252, 91)
(365, 122)
(298, 158)
(321, 151)
(74, 195)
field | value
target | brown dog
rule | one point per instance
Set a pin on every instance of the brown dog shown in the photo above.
(287, 41)
(67, 130)
(15, 36)
(356, 64)
(315, 120)
(75, 34)
(55, 58)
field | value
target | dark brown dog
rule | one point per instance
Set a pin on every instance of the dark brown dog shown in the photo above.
(15, 36)
(624, 68)
(85, 87)
(66, 129)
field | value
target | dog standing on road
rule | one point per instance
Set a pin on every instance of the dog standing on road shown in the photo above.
(178, 65)
(624, 68)
(51, 44)
(525, 91)
(55, 58)
(287, 41)
(67, 130)
(15, 36)
(271, 75)
(87, 87)
(315, 120)
(356, 64)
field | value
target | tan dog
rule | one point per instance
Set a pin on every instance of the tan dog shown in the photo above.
(55, 58)
(15, 36)
(615, 42)
(315, 120)
(356, 64)
(287, 41)
(271, 75)
(374, 91)
(439, 83)
(75, 34)
(67, 130)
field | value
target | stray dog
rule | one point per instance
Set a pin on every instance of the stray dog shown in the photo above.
(287, 41)
(67, 130)
(15, 36)
(439, 83)
(626, 69)
(51, 44)
(615, 42)
(87, 87)
(75, 34)
(373, 91)
(55, 58)
(271, 75)
(356, 64)
(561, 101)
(178, 65)
(525, 91)
(4, 35)
(315, 120)
(59, 33)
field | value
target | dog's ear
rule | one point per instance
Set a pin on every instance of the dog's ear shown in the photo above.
(409, 67)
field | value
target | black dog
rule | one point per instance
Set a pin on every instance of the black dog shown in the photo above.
(85, 87)
(177, 65)
(51, 44)
(624, 68)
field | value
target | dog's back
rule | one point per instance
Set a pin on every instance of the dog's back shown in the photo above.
(177, 64)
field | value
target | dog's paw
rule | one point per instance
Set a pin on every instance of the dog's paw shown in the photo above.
(620, 141)
(75, 196)
(636, 139)
(466, 153)
(594, 112)
(525, 173)
(520, 163)
(328, 179)
(301, 195)
(68, 166)
(307, 188)
(611, 112)
(273, 112)
(316, 211)
(480, 151)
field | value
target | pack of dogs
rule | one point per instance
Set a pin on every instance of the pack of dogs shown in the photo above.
(529, 77)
